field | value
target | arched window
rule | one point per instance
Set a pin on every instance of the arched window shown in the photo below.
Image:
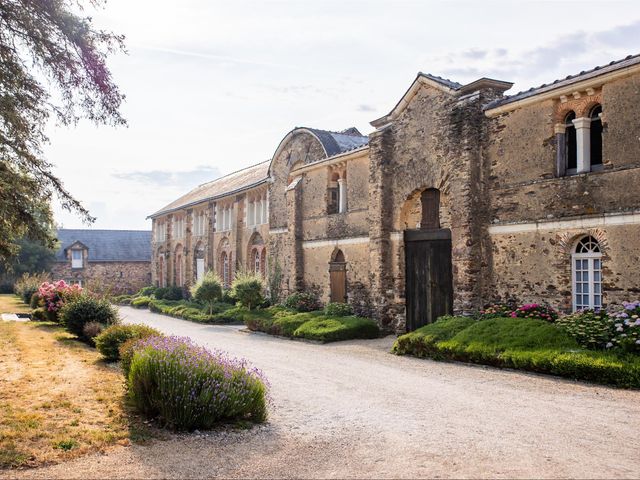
(596, 136)
(587, 274)
(570, 143)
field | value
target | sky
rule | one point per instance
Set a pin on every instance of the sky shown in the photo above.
(213, 86)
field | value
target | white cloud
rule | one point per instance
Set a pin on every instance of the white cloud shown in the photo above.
(213, 86)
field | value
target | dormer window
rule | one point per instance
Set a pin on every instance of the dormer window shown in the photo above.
(76, 259)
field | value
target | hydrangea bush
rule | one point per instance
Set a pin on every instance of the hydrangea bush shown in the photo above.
(528, 310)
(54, 295)
(189, 387)
(626, 321)
(592, 329)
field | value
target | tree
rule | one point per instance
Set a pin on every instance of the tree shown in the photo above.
(247, 288)
(208, 290)
(32, 257)
(52, 64)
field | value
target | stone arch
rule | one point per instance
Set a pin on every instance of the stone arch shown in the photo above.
(566, 241)
(256, 254)
(411, 212)
(338, 256)
(224, 256)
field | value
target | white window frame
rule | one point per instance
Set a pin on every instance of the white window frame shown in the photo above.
(77, 262)
(593, 269)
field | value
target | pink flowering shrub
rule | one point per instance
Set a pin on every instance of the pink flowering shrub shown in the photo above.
(54, 296)
(528, 310)
(535, 310)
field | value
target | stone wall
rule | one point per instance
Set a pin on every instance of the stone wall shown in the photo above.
(113, 277)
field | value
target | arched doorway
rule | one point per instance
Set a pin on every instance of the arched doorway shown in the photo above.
(428, 268)
(338, 277)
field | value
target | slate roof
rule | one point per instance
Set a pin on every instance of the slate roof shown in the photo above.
(220, 187)
(444, 81)
(107, 245)
(335, 143)
(584, 75)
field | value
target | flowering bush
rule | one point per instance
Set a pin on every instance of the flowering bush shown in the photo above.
(528, 310)
(190, 387)
(54, 295)
(496, 310)
(626, 322)
(303, 302)
(592, 329)
(535, 310)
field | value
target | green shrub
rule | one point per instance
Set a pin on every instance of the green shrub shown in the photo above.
(169, 293)
(76, 314)
(122, 299)
(146, 291)
(90, 331)
(522, 343)
(125, 352)
(303, 302)
(34, 302)
(39, 315)
(208, 290)
(247, 290)
(422, 342)
(330, 329)
(140, 302)
(28, 284)
(227, 297)
(338, 310)
(190, 387)
(287, 325)
(111, 339)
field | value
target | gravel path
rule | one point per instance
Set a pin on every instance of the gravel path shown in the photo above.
(351, 409)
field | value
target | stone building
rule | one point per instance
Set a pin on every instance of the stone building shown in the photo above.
(460, 196)
(116, 261)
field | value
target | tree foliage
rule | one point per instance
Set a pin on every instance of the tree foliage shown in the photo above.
(208, 290)
(52, 65)
(32, 257)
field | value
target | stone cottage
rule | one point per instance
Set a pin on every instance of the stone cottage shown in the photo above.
(116, 261)
(460, 196)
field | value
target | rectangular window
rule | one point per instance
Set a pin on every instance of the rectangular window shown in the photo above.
(76, 259)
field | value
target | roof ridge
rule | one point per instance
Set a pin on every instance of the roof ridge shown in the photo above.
(333, 131)
(232, 173)
(531, 91)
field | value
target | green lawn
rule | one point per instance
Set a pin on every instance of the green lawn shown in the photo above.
(526, 344)
(10, 303)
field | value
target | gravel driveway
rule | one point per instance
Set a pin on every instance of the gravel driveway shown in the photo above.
(351, 409)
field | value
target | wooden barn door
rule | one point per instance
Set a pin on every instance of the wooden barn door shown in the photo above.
(429, 281)
(338, 281)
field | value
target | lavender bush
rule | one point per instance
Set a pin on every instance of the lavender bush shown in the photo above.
(189, 387)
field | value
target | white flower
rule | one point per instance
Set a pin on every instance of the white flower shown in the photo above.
(609, 345)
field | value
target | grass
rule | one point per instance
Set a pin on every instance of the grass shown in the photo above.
(57, 399)
(10, 303)
(311, 325)
(526, 344)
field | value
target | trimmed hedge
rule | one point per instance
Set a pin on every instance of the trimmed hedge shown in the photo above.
(141, 302)
(331, 329)
(111, 339)
(521, 343)
(312, 325)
